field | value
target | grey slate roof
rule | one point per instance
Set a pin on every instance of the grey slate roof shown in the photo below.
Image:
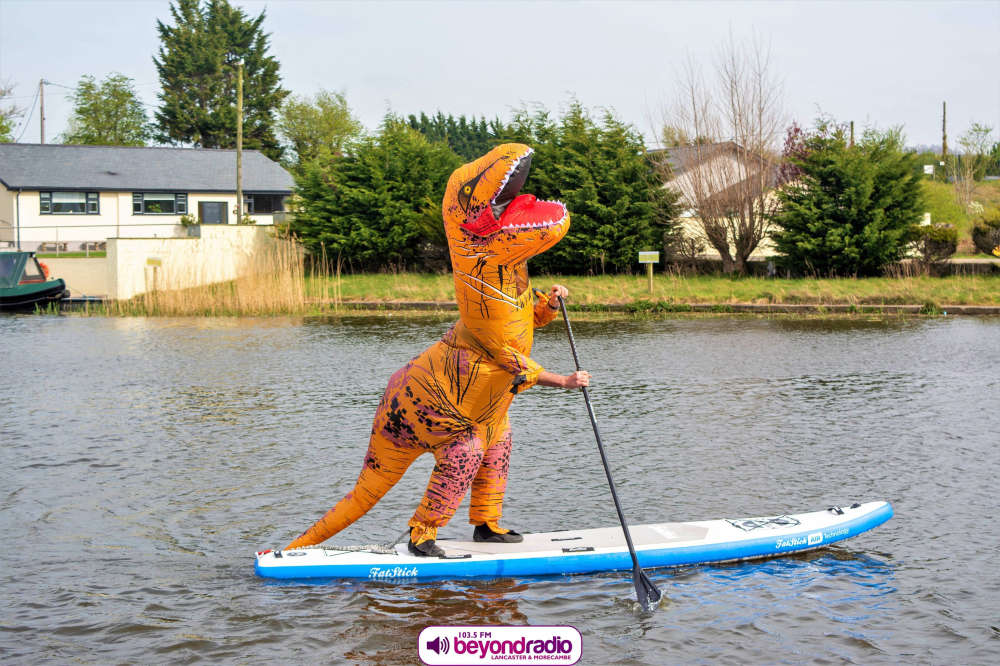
(33, 166)
(681, 158)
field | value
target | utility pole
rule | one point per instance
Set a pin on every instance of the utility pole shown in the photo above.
(41, 99)
(944, 131)
(239, 141)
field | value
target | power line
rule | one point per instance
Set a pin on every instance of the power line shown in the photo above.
(50, 83)
(28, 118)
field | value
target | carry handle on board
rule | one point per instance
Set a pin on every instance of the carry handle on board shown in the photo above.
(647, 593)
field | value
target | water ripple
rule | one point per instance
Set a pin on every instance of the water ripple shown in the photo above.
(170, 450)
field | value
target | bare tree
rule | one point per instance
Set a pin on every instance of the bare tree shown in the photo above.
(727, 174)
(965, 169)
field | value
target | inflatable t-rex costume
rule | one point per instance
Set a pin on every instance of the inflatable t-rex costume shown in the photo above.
(452, 400)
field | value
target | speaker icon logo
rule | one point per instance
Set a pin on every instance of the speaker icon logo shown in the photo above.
(439, 645)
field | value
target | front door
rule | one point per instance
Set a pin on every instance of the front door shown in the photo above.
(213, 212)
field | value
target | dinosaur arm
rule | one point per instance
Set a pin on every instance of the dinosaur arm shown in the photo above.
(526, 370)
(544, 313)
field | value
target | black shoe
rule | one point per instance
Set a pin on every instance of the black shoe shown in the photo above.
(425, 549)
(483, 534)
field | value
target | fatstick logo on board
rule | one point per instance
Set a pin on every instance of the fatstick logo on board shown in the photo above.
(500, 645)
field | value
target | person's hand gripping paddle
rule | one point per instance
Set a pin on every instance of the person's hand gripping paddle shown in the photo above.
(645, 591)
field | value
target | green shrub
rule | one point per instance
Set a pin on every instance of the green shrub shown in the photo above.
(986, 231)
(934, 243)
(852, 210)
(930, 308)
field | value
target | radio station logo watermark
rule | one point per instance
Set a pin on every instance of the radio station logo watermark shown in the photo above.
(500, 645)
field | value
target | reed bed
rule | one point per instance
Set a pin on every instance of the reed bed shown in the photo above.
(271, 282)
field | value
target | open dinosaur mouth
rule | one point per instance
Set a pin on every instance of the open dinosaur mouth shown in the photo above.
(512, 185)
(508, 211)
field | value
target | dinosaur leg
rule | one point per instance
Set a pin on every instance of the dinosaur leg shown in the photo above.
(384, 465)
(457, 462)
(486, 504)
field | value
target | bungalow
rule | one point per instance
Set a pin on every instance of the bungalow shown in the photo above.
(75, 197)
(717, 178)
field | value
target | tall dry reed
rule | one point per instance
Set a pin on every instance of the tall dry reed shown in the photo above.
(271, 281)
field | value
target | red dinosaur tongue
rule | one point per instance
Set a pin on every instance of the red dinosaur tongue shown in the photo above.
(524, 212)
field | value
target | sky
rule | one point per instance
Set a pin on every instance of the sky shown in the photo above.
(879, 64)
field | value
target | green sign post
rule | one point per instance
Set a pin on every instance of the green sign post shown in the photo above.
(649, 258)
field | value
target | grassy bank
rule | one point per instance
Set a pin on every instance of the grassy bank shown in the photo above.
(940, 202)
(622, 289)
(279, 286)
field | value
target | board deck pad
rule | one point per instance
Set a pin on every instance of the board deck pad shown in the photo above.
(588, 550)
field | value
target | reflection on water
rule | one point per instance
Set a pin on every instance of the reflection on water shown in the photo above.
(146, 459)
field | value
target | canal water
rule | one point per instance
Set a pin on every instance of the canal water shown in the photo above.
(145, 460)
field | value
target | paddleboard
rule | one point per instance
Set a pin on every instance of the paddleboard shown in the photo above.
(589, 550)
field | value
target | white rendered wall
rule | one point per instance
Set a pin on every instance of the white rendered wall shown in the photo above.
(222, 253)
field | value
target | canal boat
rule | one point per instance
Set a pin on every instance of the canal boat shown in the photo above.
(24, 282)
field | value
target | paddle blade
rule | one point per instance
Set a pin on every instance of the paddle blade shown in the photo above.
(647, 593)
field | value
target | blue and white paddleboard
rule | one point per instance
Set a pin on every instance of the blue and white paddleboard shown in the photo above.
(587, 551)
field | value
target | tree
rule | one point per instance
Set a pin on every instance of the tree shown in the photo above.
(993, 163)
(369, 207)
(469, 138)
(197, 67)
(965, 169)
(108, 113)
(8, 113)
(727, 173)
(600, 171)
(853, 208)
(317, 129)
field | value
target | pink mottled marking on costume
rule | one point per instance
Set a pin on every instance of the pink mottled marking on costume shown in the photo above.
(463, 362)
(457, 465)
(486, 503)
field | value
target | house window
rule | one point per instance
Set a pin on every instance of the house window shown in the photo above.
(69, 203)
(159, 203)
(265, 203)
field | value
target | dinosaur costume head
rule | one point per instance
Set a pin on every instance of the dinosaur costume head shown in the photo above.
(488, 221)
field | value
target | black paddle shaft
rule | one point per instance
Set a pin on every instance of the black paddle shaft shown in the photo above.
(645, 590)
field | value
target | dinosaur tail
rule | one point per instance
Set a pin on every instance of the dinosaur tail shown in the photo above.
(373, 483)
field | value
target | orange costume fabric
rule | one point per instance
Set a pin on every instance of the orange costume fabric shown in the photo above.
(452, 400)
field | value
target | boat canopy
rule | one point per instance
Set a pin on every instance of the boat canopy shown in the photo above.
(18, 267)
(11, 265)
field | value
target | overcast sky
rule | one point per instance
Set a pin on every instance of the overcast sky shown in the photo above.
(877, 63)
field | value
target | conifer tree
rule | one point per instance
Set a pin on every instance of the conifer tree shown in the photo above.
(197, 68)
(853, 208)
(368, 208)
(600, 171)
(468, 137)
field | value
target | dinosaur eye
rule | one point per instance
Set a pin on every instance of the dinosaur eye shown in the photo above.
(465, 193)
(466, 190)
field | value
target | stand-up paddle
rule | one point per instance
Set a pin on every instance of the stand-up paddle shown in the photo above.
(647, 593)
